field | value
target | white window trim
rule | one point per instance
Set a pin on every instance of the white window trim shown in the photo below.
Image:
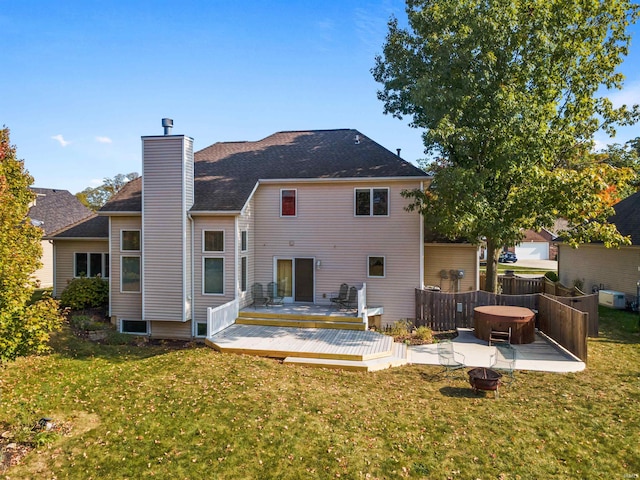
(371, 189)
(223, 241)
(246, 235)
(384, 266)
(130, 230)
(296, 202)
(121, 276)
(195, 333)
(223, 276)
(122, 320)
(105, 263)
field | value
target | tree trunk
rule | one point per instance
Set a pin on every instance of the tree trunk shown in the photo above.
(493, 252)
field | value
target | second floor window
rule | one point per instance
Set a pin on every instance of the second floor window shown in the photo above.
(371, 202)
(288, 203)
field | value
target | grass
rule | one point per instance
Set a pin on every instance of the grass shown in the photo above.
(503, 267)
(140, 412)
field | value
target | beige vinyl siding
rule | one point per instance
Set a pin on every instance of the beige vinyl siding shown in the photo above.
(246, 222)
(127, 305)
(201, 300)
(614, 269)
(64, 257)
(44, 275)
(444, 256)
(165, 264)
(172, 330)
(327, 230)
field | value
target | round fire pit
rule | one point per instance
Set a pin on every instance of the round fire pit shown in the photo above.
(484, 379)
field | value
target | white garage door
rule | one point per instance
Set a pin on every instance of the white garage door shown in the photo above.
(532, 251)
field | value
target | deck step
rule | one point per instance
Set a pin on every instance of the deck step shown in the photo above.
(301, 323)
(337, 317)
(397, 358)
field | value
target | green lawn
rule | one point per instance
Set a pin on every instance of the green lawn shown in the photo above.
(142, 412)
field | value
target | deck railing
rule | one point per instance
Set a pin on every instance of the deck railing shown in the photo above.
(221, 317)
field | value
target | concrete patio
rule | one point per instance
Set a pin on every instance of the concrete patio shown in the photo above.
(543, 355)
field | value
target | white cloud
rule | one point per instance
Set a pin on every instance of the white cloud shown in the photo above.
(95, 182)
(59, 138)
(103, 140)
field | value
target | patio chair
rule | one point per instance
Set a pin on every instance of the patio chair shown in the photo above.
(351, 301)
(505, 359)
(500, 336)
(447, 357)
(341, 296)
(257, 294)
(274, 294)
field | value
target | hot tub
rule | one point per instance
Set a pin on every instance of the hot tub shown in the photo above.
(503, 317)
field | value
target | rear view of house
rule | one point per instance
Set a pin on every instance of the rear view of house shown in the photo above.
(307, 210)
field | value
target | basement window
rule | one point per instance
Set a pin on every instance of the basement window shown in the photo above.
(134, 327)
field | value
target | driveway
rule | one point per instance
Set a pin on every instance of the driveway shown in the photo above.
(551, 265)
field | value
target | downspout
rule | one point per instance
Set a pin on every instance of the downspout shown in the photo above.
(194, 325)
(111, 269)
(55, 268)
(236, 253)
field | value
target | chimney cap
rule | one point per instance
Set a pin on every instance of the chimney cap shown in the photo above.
(167, 124)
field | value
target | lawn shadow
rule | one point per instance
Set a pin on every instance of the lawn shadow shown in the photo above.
(460, 392)
(66, 344)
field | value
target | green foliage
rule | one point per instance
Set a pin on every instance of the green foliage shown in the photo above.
(86, 323)
(553, 276)
(508, 96)
(95, 197)
(24, 326)
(85, 292)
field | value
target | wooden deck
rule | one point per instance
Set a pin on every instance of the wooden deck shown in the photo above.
(319, 343)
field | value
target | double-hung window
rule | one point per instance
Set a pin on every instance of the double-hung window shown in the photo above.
(371, 202)
(213, 267)
(130, 271)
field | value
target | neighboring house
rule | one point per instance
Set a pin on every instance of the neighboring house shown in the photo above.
(540, 245)
(54, 210)
(597, 267)
(308, 209)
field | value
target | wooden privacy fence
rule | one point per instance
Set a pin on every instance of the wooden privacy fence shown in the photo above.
(512, 285)
(448, 311)
(586, 304)
(565, 325)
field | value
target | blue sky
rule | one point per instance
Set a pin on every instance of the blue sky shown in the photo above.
(84, 80)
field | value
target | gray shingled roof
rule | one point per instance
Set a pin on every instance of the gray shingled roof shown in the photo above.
(627, 217)
(227, 172)
(93, 227)
(57, 209)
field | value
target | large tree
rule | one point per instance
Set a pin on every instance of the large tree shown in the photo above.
(508, 93)
(96, 197)
(24, 327)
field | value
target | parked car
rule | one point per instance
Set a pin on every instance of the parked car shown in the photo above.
(507, 257)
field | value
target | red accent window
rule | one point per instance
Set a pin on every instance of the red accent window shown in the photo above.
(288, 203)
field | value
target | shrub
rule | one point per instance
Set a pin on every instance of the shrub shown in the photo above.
(85, 292)
(424, 333)
(553, 276)
(401, 328)
(86, 323)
